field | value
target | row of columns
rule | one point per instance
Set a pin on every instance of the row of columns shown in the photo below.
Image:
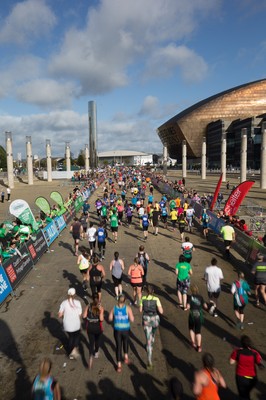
(10, 164)
(243, 158)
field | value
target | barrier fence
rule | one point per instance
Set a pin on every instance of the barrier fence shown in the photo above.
(246, 246)
(13, 270)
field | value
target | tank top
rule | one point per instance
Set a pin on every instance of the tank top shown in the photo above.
(209, 392)
(95, 275)
(93, 323)
(43, 389)
(101, 235)
(121, 320)
(84, 263)
(117, 269)
(136, 275)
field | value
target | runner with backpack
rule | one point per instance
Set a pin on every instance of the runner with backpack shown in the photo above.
(143, 259)
(240, 290)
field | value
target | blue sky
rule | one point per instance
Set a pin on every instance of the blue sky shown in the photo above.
(141, 61)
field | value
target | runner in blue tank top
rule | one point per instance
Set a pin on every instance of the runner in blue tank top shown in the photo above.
(121, 315)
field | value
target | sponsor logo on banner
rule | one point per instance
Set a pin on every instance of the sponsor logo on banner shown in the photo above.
(236, 197)
(78, 203)
(17, 267)
(50, 233)
(60, 223)
(37, 247)
(5, 287)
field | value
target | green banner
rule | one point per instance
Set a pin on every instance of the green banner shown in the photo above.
(78, 203)
(43, 205)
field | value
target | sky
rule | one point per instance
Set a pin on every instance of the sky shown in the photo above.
(141, 61)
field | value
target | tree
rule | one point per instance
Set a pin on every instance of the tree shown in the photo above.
(81, 160)
(3, 164)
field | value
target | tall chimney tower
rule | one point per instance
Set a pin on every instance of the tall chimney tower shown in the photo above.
(92, 133)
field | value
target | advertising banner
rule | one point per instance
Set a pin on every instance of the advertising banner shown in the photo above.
(216, 192)
(58, 199)
(20, 209)
(37, 247)
(60, 223)
(50, 233)
(78, 203)
(242, 244)
(5, 287)
(16, 268)
(236, 197)
(43, 205)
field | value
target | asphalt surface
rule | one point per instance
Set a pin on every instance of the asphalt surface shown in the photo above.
(30, 329)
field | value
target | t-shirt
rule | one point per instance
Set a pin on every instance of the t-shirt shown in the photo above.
(187, 248)
(114, 221)
(213, 276)
(183, 270)
(260, 272)
(246, 361)
(173, 215)
(72, 311)
(228, 232)
(91, 234)
(190, 212)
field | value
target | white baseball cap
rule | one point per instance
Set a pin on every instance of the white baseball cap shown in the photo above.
(71, 291)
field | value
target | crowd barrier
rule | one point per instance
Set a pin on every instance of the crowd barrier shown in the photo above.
(13, 270)
(246, 246)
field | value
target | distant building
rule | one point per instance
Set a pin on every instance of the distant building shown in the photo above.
(125, 157)
(224, 113)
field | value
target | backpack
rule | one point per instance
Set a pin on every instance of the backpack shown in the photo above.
(239, 295)
(143, 260)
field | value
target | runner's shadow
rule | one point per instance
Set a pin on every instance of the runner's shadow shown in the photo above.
(164, 265)
(10, 349)
(55, 328)
(134, 236)
(66, 246)
(148, 383)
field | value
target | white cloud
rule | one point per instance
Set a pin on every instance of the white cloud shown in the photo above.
(164, 60)
(28, 20)
(67, 125)
(150, 107)
(23, 69)
(120, 34)
(46, 92)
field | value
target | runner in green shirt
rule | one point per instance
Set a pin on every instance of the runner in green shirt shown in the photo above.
(183, 272)
(114, 225)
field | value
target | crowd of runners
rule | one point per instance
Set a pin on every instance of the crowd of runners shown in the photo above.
(127, 197)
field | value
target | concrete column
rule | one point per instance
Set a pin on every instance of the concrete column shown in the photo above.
(87, 164)
(49, 160)
(263, 157)
(9, 160)
(165, 157)
(184, 159)
(243, 155)
(223, 156)
(68, 162)
(29, 160)
(203, 159)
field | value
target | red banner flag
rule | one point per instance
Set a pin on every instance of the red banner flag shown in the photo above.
(236, 197)
(216, 192)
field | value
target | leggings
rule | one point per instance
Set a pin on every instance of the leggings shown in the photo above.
(94, 341)
(74, 338)
(244, 386)
(150, 325)
(121, 339)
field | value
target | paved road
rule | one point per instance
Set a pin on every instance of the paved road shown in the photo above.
(30, 329)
